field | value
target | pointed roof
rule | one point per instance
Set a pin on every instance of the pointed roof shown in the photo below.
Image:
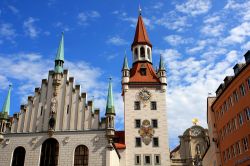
(60, 51)
(141, 36)
(161, 64)
(6, 106)
(110, 108)
(125, 63)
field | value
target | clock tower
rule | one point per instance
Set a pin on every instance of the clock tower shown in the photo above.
(144, 96)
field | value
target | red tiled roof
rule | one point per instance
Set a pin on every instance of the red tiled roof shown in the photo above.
(119, 140)
(150, 77)
(141, 36)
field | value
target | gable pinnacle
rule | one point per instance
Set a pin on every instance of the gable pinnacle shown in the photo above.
(59, 60)
(110, 108)
(161, 64)
(125, 63)
(6, 106)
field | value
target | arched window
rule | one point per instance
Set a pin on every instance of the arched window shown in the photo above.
(148, 52)
(142, 51)
(49, 154)
(136, 53)
(81, 156)
(18, 156)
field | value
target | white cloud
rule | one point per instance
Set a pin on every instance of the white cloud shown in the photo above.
(241, 9)
(64, 27)
(13, 9)
(238, 34)
(84, 17)
(7, 31)
(189, 82)
(194, 7)
(173, 21)
(212, 19)
(30, 29)
(175, 40)
(246, 46)
(212, 30)
(117, 40)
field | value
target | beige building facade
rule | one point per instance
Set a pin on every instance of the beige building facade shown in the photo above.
(193, 145)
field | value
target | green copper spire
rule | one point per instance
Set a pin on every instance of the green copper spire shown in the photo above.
(6, 107)
(110, 108)
(161, 64)
(125, 63)
(60, 56)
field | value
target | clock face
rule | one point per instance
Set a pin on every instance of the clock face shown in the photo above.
(195, 131)
(144, 95)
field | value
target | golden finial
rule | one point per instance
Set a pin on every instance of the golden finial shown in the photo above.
(195, 121)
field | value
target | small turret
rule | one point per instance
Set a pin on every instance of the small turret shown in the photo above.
(58, 70)
(125, 74)
(60, 57)
(110, 114)
(161, 73)
(4, 115)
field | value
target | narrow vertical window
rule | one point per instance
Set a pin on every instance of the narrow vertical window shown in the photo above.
(147, 159)
(154, 123)
(81, 156)
(248, 83)
(242, 90)
(245, 143)
(41, 112)
(236, 97)
(225, 156)
(67, 109)
(153, 105)
(142, 52)
(137, 159)
(18, 156)
(137, 142)
(137, 123)
(247, 111)
(240, 117)
(155, 142)
(157, 159)
(148, 52)
(238, 149)
(136, 53)
(137, 105)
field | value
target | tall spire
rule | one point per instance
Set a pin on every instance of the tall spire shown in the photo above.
(125, 63)
(60, 56)
(110, 108)
(6, 106)
(141, 36)
(161, 64)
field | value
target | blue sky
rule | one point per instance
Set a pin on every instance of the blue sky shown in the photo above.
(200, 41)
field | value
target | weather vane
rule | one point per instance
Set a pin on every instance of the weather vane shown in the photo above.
(140, 9)
(195, 121)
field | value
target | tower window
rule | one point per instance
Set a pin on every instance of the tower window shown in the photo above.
(142, 51)
(137, 159)
(245, 143)
(157, 159)
(154, 123)
(137, 105)
(238, 150)
(155, 142)
(143, 71)
(137, 142)
(147, 159)
(153, 105)
(136, 53)
(137, 123)
(148, 52)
